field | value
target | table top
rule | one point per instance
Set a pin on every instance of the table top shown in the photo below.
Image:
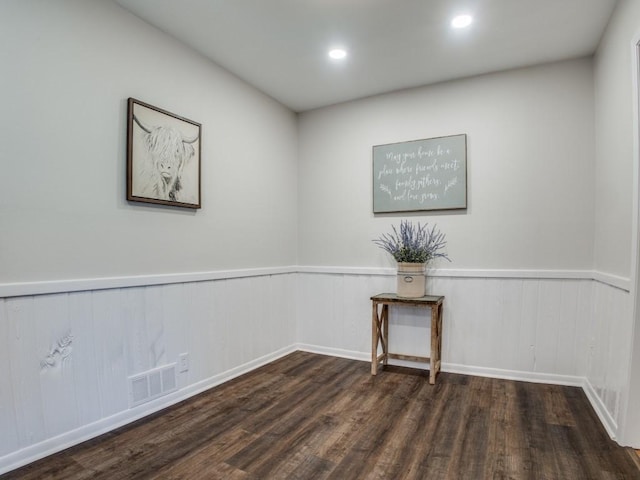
(393, 298)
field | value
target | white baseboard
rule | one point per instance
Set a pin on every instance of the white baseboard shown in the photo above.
(518, 375)
(86, 432)
(549, 378)
(334, 352)
(605, 417)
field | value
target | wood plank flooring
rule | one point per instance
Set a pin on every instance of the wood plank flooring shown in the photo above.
(309, 416)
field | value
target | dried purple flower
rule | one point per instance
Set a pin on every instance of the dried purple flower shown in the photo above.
(413, 244)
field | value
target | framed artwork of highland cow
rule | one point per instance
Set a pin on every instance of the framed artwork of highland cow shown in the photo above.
(163, 157)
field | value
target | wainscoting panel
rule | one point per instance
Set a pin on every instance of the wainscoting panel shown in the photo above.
(67, 356)
(516, 325)
(334, 311)
(8, 390)
(609, 346)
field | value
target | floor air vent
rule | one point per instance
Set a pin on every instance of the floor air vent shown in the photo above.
(152, 384)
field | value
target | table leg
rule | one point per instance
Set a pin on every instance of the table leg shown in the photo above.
(385, 333)
(440, 313)
(374, 339)
(436, 338)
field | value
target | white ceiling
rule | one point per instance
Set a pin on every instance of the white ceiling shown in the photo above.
(280, 46)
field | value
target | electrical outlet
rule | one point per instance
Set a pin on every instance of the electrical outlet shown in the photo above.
(183, 362)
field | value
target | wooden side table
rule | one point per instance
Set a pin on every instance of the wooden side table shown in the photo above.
(380, 331)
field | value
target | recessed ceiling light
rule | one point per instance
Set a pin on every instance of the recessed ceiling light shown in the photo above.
(337, 53)
(461, 21)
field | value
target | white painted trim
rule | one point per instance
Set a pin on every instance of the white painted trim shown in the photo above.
(600, 408)
(517, 375)
(342, 270)
(53, 445)
(78, 285)
(613, 280)
(334, 352)
(511, 273)
(534, 377)
(455, 273)
(601, 277)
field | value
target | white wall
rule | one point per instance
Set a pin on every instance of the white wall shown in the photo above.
(68, 68)
(616, 208)
(530, 170)
(614, 142)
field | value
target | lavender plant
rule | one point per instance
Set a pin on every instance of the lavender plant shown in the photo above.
(414, 244)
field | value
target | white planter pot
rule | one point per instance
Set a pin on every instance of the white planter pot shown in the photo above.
(411, 280)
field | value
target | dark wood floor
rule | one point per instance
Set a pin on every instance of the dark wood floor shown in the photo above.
(309, 416)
